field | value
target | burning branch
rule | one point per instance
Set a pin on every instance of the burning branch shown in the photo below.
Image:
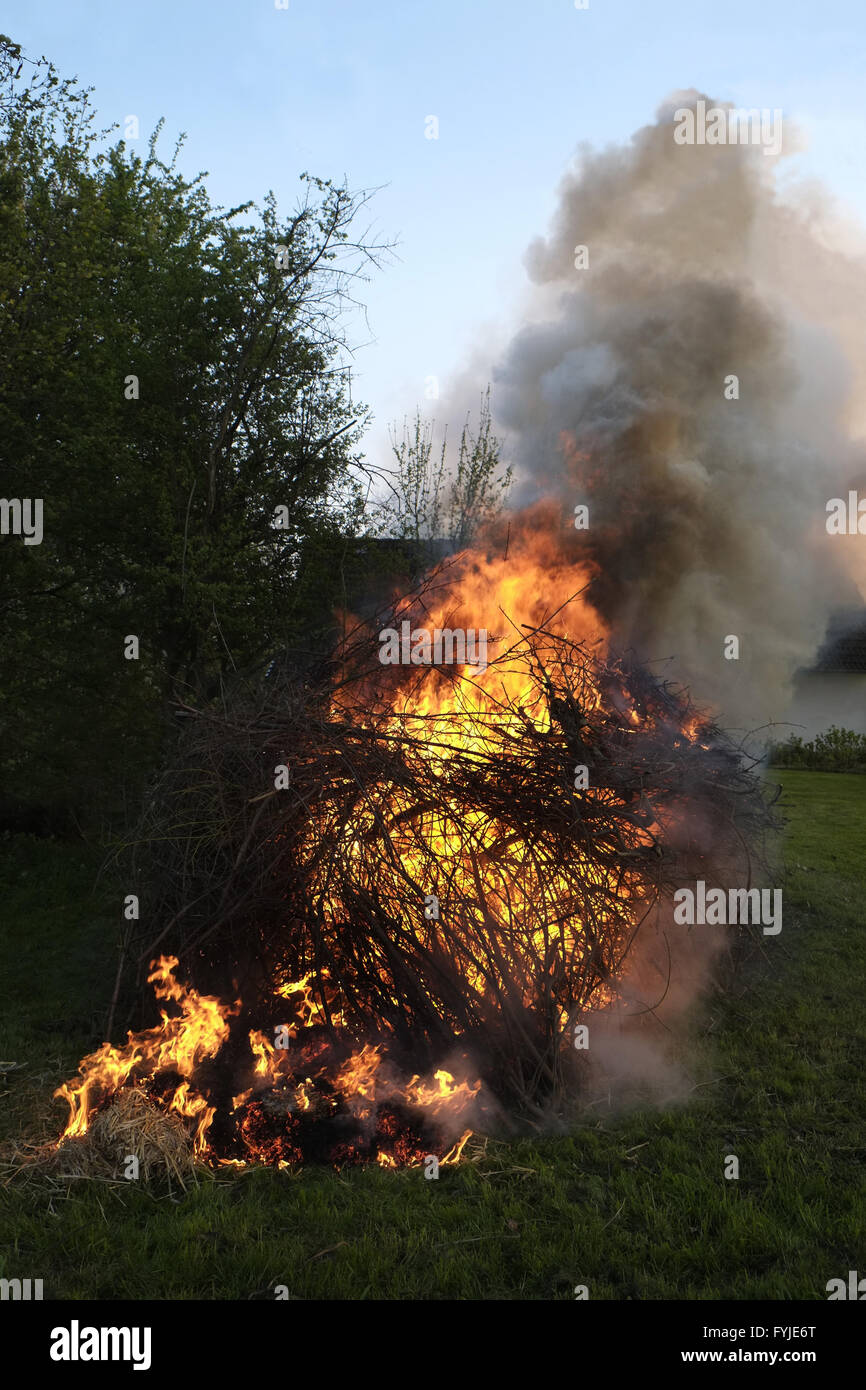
(437, 788)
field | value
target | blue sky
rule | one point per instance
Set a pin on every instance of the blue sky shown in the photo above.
(343, 87)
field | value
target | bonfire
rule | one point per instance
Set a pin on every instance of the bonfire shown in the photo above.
(378, 900)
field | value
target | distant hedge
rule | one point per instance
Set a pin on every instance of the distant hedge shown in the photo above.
(838, 750)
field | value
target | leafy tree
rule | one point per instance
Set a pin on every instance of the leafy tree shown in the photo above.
(837, 750)
(173, 387)
(432, 496)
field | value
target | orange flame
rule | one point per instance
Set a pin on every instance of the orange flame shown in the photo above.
(179, 1044)
(537, 582)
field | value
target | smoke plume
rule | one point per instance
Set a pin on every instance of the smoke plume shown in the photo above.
(706, 514)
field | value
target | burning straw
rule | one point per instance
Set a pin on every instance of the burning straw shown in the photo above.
(450, 876)
(133, 1127)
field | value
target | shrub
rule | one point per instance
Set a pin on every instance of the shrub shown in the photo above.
(838, 750)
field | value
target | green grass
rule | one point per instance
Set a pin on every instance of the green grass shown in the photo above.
(783, 1052)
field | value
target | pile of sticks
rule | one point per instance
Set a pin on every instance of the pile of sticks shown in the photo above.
(454, 861)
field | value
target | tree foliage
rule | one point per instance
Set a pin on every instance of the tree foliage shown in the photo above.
(837, 750)
(173, 385)
(436, 496)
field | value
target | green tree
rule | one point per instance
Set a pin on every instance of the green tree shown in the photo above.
(173, 386)
(434, 496)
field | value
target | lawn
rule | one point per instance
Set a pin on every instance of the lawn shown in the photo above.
(633, 1205)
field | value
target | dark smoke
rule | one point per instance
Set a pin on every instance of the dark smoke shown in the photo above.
(706, 514)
